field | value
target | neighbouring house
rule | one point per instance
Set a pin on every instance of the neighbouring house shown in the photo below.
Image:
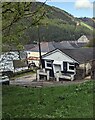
(33, 57)
(62, 63)
(33, 53)
(83, 39)
(81, 42)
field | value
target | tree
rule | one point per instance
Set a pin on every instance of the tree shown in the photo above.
(17, 17)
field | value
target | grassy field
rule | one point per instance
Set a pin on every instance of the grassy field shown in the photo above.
(70, 101)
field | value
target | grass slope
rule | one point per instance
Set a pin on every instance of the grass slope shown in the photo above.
(87, 26)
(72, 101)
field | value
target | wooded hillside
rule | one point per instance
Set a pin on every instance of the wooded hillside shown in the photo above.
(21, 22)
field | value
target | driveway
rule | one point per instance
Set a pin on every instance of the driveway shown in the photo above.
(25, 80)
(30, 80)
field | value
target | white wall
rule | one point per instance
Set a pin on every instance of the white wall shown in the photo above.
(59, 56)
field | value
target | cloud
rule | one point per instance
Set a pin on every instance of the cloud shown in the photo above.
(83, 4)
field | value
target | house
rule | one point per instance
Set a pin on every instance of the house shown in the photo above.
(83, 39)
(65, 61)
(33, 57)
(33, 52)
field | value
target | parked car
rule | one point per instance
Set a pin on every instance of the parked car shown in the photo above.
(4, 80)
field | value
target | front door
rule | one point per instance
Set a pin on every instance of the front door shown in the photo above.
(57, 68)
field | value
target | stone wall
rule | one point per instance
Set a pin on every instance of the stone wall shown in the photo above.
(93, 74)
(93, 69)
(80, 73)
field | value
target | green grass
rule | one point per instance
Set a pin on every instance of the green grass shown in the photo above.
(88, 26)
(72, 101)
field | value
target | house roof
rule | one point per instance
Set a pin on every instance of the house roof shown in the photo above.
(66, 45)
(29, 46)
(81, 55)
(45, 47)
(49, 46)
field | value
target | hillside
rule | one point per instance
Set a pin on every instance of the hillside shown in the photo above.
(56, 25)
(88, 21)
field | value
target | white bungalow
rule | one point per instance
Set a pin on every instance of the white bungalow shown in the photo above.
(65, 61)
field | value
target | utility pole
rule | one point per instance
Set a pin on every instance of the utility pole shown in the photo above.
(40, 61)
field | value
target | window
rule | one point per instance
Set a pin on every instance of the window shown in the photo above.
(71, 67)
(48, 64)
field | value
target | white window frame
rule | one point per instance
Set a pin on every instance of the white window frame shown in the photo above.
(68, 65)
(49, 62)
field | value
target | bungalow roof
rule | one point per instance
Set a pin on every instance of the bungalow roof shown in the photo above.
(81, 55)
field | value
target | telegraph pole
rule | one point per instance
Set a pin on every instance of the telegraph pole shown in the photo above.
(40, 61)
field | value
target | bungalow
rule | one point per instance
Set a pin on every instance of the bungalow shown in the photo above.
(33, 51)
(65, 61)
